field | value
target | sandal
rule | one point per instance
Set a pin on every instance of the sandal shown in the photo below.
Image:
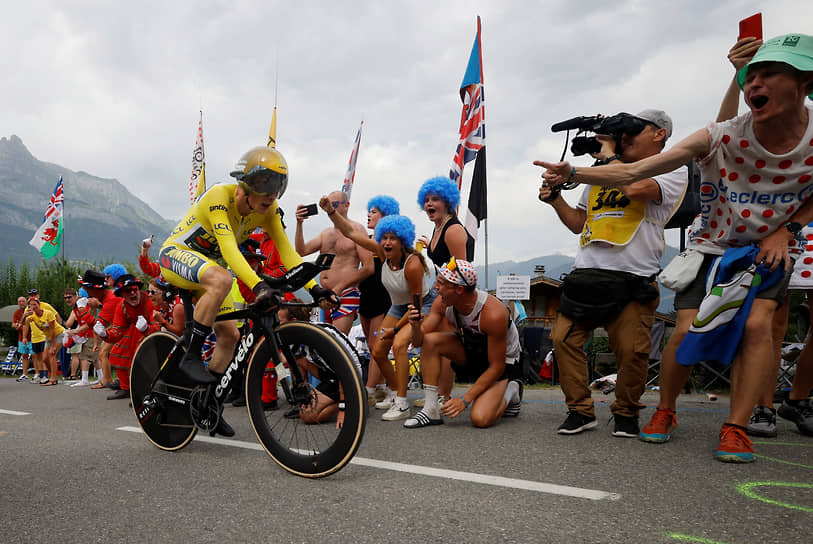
(99, 385)
(50, 382)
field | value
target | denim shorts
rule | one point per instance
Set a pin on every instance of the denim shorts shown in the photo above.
(398, 310)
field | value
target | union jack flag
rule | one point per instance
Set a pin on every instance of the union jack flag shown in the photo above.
(347, 185)
(473, 118)
(55, 202)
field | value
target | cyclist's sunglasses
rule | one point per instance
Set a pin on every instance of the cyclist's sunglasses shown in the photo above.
(452, 265)
(265, 182)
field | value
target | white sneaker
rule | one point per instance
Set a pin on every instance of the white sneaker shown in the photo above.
(396, 412)
(388, 401)
(23, 378)
(80, 383)
(35, 379)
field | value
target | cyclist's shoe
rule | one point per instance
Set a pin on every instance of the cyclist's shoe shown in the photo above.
(763, 422)
(223, 428)
(192, 367)
(735, 446)
(800, 412)
(660, 427)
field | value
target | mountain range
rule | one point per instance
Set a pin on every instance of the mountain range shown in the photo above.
(103, 220)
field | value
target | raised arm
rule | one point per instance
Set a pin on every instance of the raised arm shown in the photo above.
(612, 175)
(346, 228)
(739, 55)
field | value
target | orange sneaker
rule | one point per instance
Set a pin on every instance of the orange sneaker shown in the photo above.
(735, 446)
(660, 427)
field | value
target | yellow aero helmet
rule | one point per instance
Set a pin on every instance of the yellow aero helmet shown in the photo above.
(262, 170)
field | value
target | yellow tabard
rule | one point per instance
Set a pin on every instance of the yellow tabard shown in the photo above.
(611, 217)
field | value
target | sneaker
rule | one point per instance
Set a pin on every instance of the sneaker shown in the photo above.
(512, 409)
(387, 403)
(35, 379)
(576, 423)
(23, 378)
(80, 383)
(421, 419)
(735, 446)
(270, 406)
(626, 426)
(293, 413)
(442, 399)
(119, 394)
(395, 413)
(660, 427)
(763, 422)
(800, 412)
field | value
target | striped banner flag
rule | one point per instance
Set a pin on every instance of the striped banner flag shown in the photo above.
(347, 185)
(197, 183)
(48, 238)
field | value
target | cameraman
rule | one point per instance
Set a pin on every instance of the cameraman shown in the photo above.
(613, 278)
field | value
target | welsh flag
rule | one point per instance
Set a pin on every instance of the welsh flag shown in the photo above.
(48, 238)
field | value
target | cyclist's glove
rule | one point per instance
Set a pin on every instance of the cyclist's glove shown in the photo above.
(264, 295)
(320, 293)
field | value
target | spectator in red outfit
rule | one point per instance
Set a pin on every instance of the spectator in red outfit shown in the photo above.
(148, 267)
(132, 320)
(168, 310)
(95, 283)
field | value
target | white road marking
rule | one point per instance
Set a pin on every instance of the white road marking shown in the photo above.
(14, 413)
(513, 483)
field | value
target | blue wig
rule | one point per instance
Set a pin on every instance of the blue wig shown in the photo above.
(443, 187)
(398, 225)
(82, 293)
(115, 271)
(385, 204)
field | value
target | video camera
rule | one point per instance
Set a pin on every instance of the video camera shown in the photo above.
(614, 126)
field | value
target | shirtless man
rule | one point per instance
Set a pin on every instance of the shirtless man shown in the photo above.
(344, 274)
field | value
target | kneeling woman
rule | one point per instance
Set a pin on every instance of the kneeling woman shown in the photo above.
(405, 275)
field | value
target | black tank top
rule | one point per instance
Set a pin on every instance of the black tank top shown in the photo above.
(441, 255)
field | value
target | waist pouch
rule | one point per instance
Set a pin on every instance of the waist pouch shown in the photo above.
(597, 296)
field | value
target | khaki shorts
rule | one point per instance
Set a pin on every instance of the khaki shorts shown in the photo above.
(87, 353)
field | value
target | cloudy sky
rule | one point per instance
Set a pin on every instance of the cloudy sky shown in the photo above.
(115, 89)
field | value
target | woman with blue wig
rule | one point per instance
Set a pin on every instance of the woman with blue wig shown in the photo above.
(439, 197)
(405, 275)
(374, 300)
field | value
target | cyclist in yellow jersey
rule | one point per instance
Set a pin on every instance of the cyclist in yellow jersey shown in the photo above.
(222, 218)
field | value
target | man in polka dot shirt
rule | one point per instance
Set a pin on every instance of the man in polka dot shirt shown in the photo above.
(756, 172)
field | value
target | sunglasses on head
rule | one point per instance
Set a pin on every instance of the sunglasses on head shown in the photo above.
(337, 203)
(452, 265)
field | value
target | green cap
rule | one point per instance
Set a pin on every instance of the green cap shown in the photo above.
(793, 49)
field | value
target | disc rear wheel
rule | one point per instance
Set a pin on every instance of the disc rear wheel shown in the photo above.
(166, 423)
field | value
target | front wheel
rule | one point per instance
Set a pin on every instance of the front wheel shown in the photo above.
(308, 450)
(165, 422)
